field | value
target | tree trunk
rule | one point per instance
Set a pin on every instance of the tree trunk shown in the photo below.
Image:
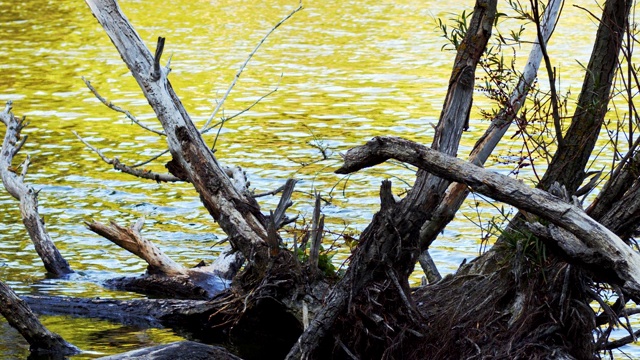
(377, 279)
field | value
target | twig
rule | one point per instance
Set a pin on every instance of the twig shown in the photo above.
(149, 160)
(235, 79)
(272, 192)
(144, 174)
(116, 108)
(224, 120)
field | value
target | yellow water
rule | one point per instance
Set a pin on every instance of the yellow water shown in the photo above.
(345, 71)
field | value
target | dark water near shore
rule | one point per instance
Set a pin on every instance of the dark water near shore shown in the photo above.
(345, 70)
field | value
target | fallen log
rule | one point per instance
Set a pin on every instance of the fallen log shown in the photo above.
(182, 350)
(164, 276)
(20, 317)
(615, 260)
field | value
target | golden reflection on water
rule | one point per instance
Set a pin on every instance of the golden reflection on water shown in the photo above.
(345, 71)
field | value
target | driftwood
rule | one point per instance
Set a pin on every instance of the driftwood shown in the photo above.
(53, 261)
(143, 313)
(611, 258)
(164, 276)
(183, 350)
(236, 211)
(20, 317)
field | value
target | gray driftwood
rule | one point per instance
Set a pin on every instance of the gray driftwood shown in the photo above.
(616, 259)
(13, 181)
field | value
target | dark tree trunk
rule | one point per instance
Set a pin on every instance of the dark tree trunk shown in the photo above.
(569, 161)
(370, 311)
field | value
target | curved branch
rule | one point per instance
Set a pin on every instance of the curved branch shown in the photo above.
(620, 264)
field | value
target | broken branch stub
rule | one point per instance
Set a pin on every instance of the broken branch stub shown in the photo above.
(131, 240)
(618, 262)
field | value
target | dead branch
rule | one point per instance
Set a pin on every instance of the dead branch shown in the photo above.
(53, 261)
(279, 215)
(456, 193)
(244, 65)
(141, 173)
(237, 213)
(317, 228)
(618, 262)
(113, 107)
(131, 240)
(181, 350)
(20, 317)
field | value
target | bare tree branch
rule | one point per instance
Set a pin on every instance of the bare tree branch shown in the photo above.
(113, 107)
(244, 65)
(144, 174)
(53, 261)
(617, 259)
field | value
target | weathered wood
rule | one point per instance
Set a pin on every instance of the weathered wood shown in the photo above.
(623, 264)
(194, 284)
(144, 313)
(53, 261)
(236, 211)
(131, 240)
(182, 350)
(21, 318)
(457, 192)
(389, 246)
(164, 276)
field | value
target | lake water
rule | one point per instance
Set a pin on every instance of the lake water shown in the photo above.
(345, 71)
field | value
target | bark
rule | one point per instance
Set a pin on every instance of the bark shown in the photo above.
(612, 258)
(263, 329)
(131, 240)
(20, 317)
(53, 261)
(388, 248)
(143, 313)
(569, 161)
(236, 211)
(164, 276)
(457, 192)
